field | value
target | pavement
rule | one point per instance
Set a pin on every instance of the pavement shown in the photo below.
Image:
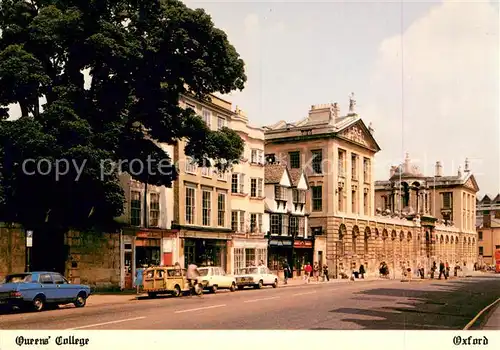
(370, 304)
(492, 322)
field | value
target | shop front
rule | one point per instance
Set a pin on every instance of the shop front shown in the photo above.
(248, 252)
(280, 250)
(205, 252)
(303, 253)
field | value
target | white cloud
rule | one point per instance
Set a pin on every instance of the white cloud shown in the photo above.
(447, 105)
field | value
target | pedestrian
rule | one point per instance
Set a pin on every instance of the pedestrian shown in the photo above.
(316, 271)
(433, 269)
(447, 269)
(442, 270)
(325, 273)
(192, 275)
(138, 279)
(408, 270)
(307, 272)
(362, 271)
(286, 271)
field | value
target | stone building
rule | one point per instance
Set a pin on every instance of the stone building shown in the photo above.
(488, 229)
(248, 245)
(337, 152)
(286, 218)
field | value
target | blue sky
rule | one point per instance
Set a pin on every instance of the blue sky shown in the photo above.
(445, 108)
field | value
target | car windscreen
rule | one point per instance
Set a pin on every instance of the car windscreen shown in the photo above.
(18, 278)
(203, 272)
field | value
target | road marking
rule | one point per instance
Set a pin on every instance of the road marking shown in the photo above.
(479, 314)
(105, 323)
(296, 295)
(199, 308)
(255, 300)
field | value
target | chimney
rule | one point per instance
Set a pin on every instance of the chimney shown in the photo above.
(336, 110)
(439, 169)
(393, 170)
(466, 169)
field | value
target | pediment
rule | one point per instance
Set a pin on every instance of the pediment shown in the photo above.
(471, 184)
(359, 134)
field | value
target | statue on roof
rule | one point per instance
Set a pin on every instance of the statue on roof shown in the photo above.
(352, 103)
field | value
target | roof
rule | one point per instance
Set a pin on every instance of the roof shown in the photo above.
(432, 181)
(273, 173)
(295, 175)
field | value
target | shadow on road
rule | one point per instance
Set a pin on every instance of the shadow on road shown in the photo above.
(450, 307)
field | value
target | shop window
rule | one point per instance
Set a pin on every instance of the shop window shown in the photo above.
(261, 255)
(154, 209)
(221, 205)
(239, 259)
(190, 205)
(249, 257)
(135, 208)
(207, 199)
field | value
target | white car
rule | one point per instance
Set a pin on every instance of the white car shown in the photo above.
(256, 277)
(216, 278)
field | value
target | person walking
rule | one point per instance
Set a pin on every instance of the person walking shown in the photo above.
(316, 271)
(325, 273)
(433, 269)
(442, 270)
(447, 269)
(307, 272)
(362, 271)
(286, 271)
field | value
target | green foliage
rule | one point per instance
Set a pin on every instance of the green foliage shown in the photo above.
(142, 55)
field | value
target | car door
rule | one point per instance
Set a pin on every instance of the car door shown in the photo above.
(48, 288)
(268, 277)
(66, 292)
(224, 279)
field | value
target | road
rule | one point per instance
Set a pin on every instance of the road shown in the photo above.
(378, 304)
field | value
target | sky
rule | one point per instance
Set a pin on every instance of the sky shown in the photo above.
(426, 74)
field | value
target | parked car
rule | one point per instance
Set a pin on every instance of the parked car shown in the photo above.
(168, 280)
(40, 289)
(216, 278)
(256, 277)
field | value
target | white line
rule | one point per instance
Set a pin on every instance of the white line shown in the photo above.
(479, 314)
(254, 300)
(296, 295)
(199, 308)
(105, 323)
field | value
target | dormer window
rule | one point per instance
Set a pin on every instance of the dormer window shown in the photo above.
(280, 193)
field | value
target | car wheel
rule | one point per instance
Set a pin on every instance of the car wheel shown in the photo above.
(177, 291)
(81, 300)
(275, 284)
(259, 285)
(213, 289)
(38, 303)
(233, 287)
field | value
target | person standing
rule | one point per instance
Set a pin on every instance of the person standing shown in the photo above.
(316, 271)
(286, 271)
(433, 269)
(325, 273)
(362, 271)
(447, 269)
(138, 279)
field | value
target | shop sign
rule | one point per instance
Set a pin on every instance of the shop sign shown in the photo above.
(302, 244)
(280, 243)
(152, 235)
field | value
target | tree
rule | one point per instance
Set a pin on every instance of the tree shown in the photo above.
(141, 55)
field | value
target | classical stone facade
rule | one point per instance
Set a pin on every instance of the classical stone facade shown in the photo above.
(488, 229)
(337, 153)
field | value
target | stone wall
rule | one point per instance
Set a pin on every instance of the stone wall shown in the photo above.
(12, 250)
(94, 259)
